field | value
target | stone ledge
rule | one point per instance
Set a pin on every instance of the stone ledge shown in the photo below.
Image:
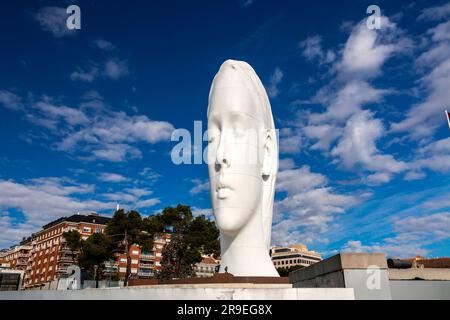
(337, 263)
(185, 294)
(419, 274)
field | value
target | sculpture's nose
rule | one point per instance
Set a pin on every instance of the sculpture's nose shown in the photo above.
(223, 154)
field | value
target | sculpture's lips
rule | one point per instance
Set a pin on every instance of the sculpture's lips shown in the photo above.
(223, 190)
(223, 193)
(222, 185)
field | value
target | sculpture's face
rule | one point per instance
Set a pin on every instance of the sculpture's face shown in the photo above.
(235, 149)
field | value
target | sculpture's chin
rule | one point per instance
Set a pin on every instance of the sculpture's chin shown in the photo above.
(231, 220)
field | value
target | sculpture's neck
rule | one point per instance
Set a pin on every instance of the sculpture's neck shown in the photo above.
(240, 253)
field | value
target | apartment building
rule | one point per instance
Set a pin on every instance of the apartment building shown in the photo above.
(50, 255)
(17, 256)
(294, 255)
(143, 264)
(135, 253)
(207, 267)
(4, 264)
(158, 244)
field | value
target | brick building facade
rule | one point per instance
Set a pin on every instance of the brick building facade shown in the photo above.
(17, 256)
(143, 264)
(50, 255)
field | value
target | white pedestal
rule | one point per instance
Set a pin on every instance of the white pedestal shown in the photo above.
(184, 292)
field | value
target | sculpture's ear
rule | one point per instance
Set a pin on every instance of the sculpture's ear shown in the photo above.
(267, 154)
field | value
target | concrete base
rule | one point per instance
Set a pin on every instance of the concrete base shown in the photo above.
(366, 273)
(186, 293)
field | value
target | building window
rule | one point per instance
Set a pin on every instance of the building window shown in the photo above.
(134, 270)
(135, 252)
(122, 270)
(124, 260)
(98, 230)
(86, 229)
(134, 261)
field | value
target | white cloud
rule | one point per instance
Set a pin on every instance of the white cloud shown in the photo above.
(414, 175)
(44, 199)
(149, 175)
(103, 44)
(115, 69)
(108, 136)
(10, 100)
(312, 50)
(53, 20)
(364, 53)
(60, 186)
(112, 177)
(92, 129)
(199, 186)
(367, 50)
(404, 250)
(438, 203)
(118, 152)
(294, 181)
(85, 76)
(423, 119)
(346, 101)
(147, 203)
(112, 69)
(435, 157)
(71, 116)
(435, 13)
(138, 192)
(290, 140)
(275, 80)
(358, 147)
(309, 206)
(132, 198)
(324, 134)
(412, 234)
(441, 32)
(378, 178)
(285, 164)
(12, 231)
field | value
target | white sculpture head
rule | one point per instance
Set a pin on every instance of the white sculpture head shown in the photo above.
(242, 165)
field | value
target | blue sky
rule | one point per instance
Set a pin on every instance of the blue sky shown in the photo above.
(87, 115)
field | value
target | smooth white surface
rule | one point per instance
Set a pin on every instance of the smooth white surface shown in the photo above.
(184, 294)
(242, 166)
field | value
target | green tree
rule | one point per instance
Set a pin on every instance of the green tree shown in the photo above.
(73, 241)
(125, 229)
(95, 250)
(190, 238)
(175, 257)
(203, 236)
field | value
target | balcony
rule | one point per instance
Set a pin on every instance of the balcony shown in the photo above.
(145, 265)
(65, 259)
(147, 257)
(21, 262)
(145, 274)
